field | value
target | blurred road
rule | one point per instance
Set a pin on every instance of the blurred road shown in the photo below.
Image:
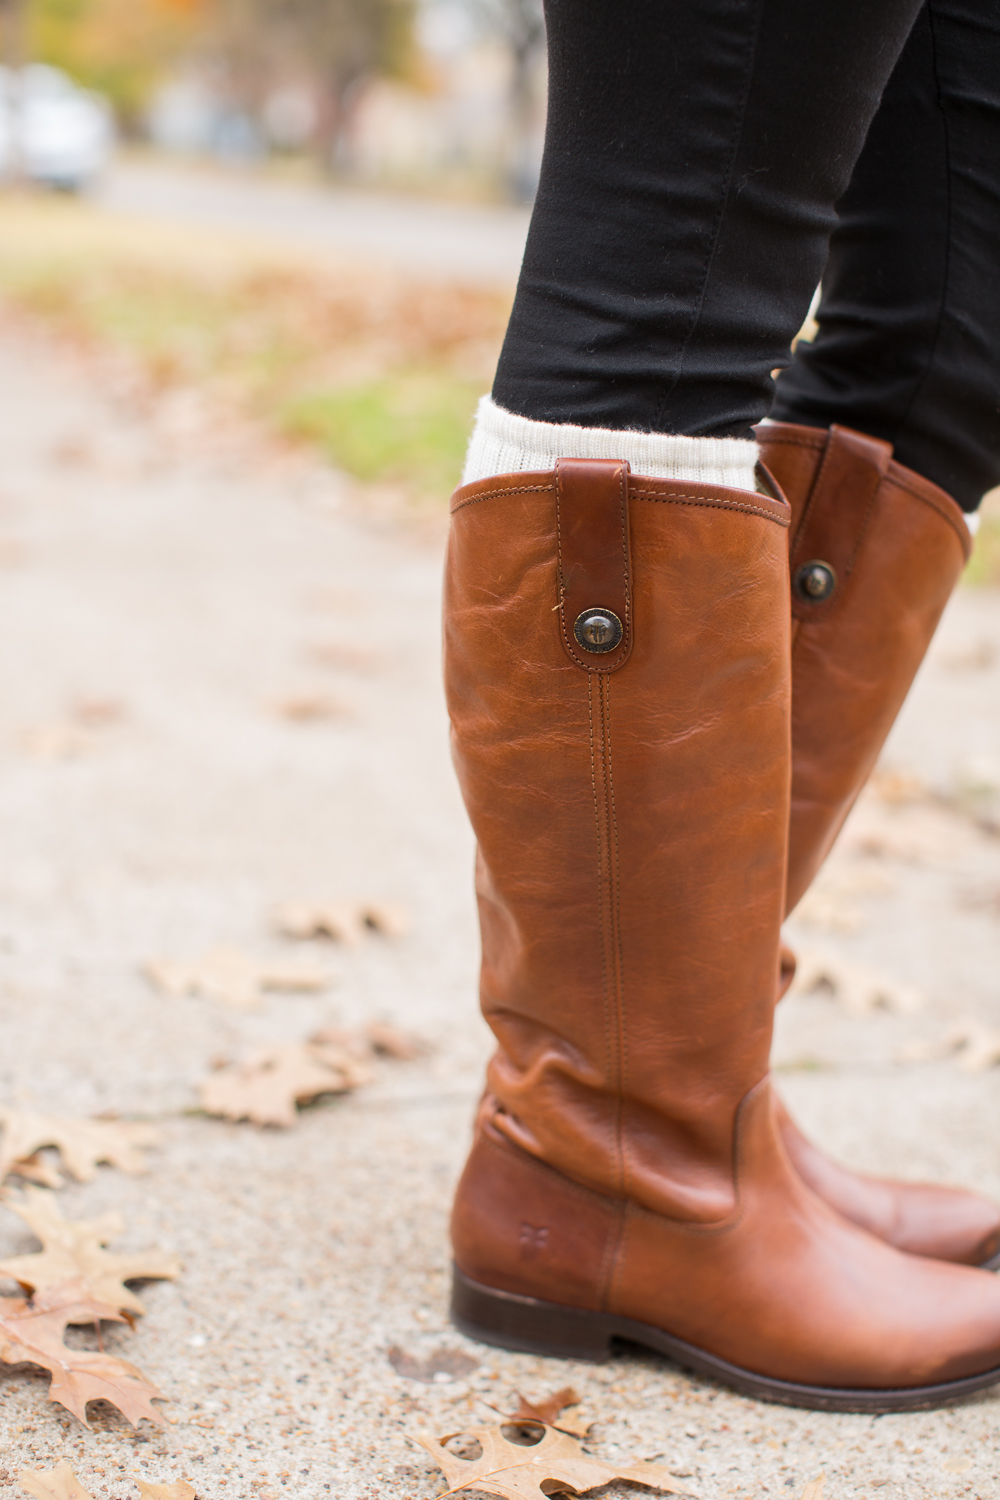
(471, 242)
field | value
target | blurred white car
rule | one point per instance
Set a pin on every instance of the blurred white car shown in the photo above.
(51, 130)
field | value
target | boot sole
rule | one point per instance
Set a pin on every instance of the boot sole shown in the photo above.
(535, 1327)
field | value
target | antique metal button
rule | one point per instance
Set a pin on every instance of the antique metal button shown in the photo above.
(598, 630)
(814, 582)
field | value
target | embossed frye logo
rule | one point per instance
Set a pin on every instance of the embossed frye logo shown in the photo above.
(533, 1239)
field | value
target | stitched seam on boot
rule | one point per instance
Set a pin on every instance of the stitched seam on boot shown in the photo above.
(614, 881)
(613, 1239)
(600, 869)
(560, 580)
(612, 995)
(520, 489)
(711, 503)
(626, 571)
(716, 502)
(614, 876)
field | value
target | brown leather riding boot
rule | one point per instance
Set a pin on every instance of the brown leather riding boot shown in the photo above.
(875, 553)
(617, 665)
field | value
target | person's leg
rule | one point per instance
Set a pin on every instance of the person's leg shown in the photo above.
(908, 357)
(908, 347)
(694, 154)
(617, 666)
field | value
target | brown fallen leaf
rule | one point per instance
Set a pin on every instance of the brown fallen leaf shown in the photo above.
(35, 1168)
(267, 1085)
(310, 709)
(32, 1333)
(50, 742)
(547, 1408)
(894, 785)
(389, 1041)
(516, 1472)
(344, 921)
(62, 1484)
(72, 1251)
(975, 1047)
(549, 1411)
(59, 1483)
(234, 977)
(97, 713)
(81, 1143)
(857, 989)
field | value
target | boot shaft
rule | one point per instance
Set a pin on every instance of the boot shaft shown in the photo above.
(630, 807)
(875, 552)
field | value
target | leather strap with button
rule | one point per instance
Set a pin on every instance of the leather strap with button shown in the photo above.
(835, 519)
(595, 593)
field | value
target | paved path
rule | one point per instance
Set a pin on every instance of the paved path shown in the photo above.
(475, 243)
(183, 575)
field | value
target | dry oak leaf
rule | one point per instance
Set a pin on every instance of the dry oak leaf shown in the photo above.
(345, 921)
(73, 1251)
(53, 1484)
(975, 1047)
(234, 977)
(388, 1041)
(50, 742)
(549, 1409)
(32, 1333)
(857, 989)
(62, 1484)
(556, 1461)
(266, 1087)
(311, 708)
(82, 1144)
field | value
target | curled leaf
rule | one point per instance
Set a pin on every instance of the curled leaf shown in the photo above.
(555, 1462)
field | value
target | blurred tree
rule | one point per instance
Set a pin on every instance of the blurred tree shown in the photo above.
(520, 25)
(12, 16)
(120, 47)
(332, 46)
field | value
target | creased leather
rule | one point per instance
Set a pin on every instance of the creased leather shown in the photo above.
(599, 803)
(631, 878)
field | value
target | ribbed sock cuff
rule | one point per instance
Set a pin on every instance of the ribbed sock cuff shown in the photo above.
(503, 443)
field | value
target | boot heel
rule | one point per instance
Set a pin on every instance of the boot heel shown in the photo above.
(527, 1324)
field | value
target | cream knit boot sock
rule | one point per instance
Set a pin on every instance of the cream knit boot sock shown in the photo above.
(503, 443)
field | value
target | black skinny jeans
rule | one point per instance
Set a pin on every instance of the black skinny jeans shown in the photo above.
(706, 162)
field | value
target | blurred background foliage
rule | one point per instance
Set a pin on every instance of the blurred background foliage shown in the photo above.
(428, 93)
(379, 371)
(121, 48)
(376, 367)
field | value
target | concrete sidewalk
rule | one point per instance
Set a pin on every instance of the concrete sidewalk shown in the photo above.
(199, 583)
